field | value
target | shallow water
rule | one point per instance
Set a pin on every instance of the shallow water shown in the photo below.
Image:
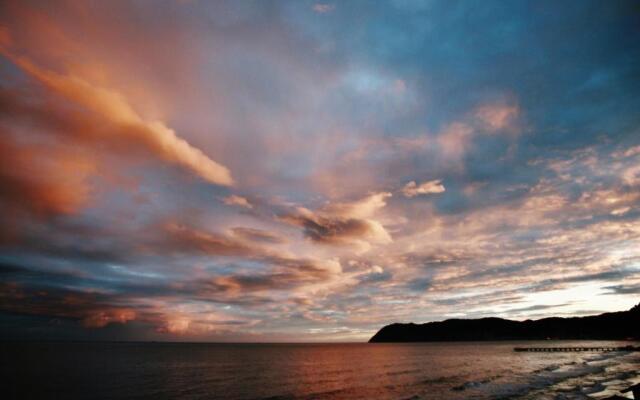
(311, 371)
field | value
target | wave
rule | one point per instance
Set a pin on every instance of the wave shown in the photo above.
(475, 384)
(575, 380)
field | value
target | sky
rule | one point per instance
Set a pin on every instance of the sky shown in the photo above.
(312, 171)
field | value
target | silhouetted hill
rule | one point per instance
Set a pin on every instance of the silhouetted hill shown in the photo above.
(609, 326)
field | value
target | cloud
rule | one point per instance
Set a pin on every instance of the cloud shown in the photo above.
(323, 8)
(239, 201)
(376, 275)
(258, 235)
(39, 183)
(339, 231)
(620, 211)
(277, 267)
(363, 208)
(455, 141)
(92, 310)
(497, 117)
(296, 276)
(239, 285)
(198, 324)
(183, 239)
(343, 223)
(421, 284)
(316, 125)
(5, 37)
(114, 108)
(631, 175)
(412, 189)
(633, 289)
(42, 180)
(102, 318)
(633, 151)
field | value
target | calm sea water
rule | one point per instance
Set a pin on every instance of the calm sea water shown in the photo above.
(310, 371)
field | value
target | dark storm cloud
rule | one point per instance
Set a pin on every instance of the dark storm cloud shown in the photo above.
(92, 309)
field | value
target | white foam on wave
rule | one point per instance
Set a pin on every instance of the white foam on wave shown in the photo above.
(598, 376)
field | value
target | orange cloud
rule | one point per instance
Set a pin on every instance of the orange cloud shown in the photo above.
(239, 201)
(257, 235)
(92, 310)
(183, 239)
(102, 318)
(39, 182)
(5, 37)
(284, 274)
(114, 108)
(362, 208)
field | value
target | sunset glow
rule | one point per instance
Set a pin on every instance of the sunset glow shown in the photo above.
(312, 171)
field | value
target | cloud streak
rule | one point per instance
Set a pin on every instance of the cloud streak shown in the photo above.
(114, 108)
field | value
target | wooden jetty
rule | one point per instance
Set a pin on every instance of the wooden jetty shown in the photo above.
(576, 349)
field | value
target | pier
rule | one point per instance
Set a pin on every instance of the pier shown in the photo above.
(576, 349)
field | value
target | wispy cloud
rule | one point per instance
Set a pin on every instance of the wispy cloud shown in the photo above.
(312, 171)
(412, 189)
(323, 8)
(127, 123)
(235, 200)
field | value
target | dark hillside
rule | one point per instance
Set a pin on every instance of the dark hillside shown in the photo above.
(609, 326)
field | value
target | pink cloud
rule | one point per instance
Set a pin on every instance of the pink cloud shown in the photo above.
(412, 189)
(102, 318)
(113, 107)
(497, 117)
(239, 201)
(455, 140)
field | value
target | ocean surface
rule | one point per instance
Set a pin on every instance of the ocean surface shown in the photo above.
(311, 371)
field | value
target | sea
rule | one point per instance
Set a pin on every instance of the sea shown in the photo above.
(469, 370)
